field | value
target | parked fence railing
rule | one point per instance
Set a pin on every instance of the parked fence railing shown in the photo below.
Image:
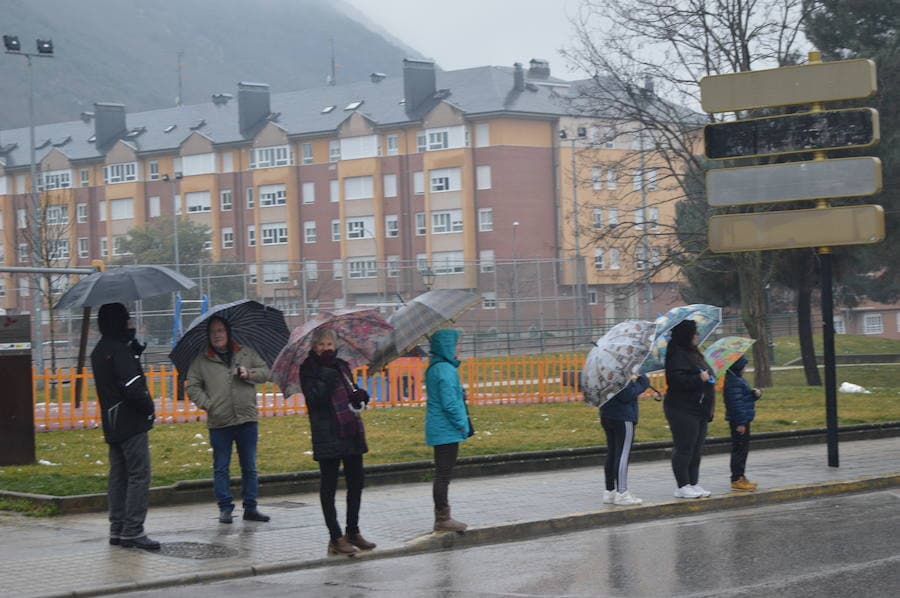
(516, 379)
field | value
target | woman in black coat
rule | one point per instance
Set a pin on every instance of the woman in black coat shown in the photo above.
(689, 406)
(332, 404)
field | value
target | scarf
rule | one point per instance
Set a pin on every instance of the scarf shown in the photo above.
(348, 421)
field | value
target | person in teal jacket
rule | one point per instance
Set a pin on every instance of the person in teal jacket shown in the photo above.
(446, 422)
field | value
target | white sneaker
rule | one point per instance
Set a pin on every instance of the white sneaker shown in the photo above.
(609, 497)
(687, 491)
(626, 499)
(704, 493)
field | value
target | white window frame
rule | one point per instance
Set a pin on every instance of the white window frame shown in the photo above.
(57, 215)
(438, 139)
(58, 249)
(389, 185)
(274, 233)
(840, 327)
(483, 177)
(121, 209)
(362, 267)
(336, 229)
(360, 227)
(122, 172)
(489, 300)
(334, 150)
(612, 217)
(54, 179)
(226, 200)
(197, 164)
(227, 237)
(486, 261)
(485, 220)
(596, 178)
(306, 152)
(117, 245)
(311, 269)
(337, 269)
(614, 258)
(391, 226)
(276, 272)
(85, 177)
(271, 156)
(393, 145)
(271, 196)
(84, 247)
(250, 203)
(482, 135)
(421, 228)
(153, 170)
(251, 235)
(334, 190)
(154, 206)
(446, 221)
(421, 141)
(392, 266)
(309, 231)
(873, 323)
(445, 263)
(597, 217)
(445, 179)
(359, 187)
(198, 202)
(599, 259)
(418, 183)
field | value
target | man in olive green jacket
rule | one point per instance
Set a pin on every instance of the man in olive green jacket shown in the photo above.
(221, 381)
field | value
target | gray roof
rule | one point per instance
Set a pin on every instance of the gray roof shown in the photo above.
(480, 90)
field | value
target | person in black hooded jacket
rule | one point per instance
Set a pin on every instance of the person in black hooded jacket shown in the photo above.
(128, 413)
(689, 406)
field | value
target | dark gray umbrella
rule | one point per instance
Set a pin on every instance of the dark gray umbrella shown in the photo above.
(258, 326)
(122, 285)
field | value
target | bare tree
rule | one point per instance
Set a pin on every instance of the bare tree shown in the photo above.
(647, 58)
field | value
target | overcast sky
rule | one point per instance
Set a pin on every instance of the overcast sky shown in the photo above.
(466, 33)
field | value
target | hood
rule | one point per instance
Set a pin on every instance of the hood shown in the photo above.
(443, 344)
(112, 320)
(683, 334)
(738, 366)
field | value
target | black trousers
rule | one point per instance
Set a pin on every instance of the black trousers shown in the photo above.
(740, 447)
(444, 459)
(688, 436)
(355, 478)
(619, 439)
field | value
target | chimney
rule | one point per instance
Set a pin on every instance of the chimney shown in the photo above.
(518, 77)
(538, 68)
(253, 105)
(418, 82)
(377, 77)
(220, 99)
(109, 124)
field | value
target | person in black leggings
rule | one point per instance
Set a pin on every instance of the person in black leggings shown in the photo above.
(337, 436)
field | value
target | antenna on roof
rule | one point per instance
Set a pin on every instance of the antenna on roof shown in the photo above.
(178, 98)
(333, 78)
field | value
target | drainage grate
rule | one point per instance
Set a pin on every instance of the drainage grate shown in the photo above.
(196, 550)
(285, 504)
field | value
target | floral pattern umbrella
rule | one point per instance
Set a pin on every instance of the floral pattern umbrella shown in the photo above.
(725, 351)
(616, 356)
(358, 331)
(708, 317)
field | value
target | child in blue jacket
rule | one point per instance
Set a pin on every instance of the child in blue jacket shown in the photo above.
(619, 416)
(740, 409)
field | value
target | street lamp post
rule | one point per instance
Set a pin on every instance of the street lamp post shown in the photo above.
(44, 50)
(579, 261)
(646, 93)
(176, 296)
(428, 277)
(515, 226)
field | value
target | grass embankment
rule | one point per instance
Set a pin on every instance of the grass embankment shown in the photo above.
(787, 348)
(181, 452)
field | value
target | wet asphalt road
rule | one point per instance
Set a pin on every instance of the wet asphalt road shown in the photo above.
(846, 546)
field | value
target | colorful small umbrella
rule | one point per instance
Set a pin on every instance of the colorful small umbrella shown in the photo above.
(258, 326)
(725, 351)
(616, 356)
(707, 317)
(358, 331)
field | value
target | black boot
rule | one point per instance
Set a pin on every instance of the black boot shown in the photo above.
(142, 542)
(255, 515)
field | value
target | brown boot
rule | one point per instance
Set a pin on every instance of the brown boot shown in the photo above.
(357, 540)
(342, 546)
(444, 523)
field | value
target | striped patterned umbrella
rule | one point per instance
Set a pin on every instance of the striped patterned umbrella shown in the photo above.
(258, 326)
(419, 318)
(357, 329)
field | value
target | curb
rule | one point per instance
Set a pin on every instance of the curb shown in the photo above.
(515, 532)
(271, 485)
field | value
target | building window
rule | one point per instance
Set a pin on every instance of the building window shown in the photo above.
(101, 210)
(614, 259)
(598, 258)
(447, 262)
(640, 258)
(391, 226)
(117, 243)
(421, 261)
(419, 182)
(335, 230)
(596, 178)
(362, 267)
(250, 203)
(445, 179)
(274, 233)
(611, 177)
(334, 191)
(653, 217)
(612, 216)
(358, 187)
(153, 168)
(85, 177)
(482, 135)
(24, 289)
(390, 185)
(54, 179)
(251, 274)
(251, 236)
(334, 150)
(839, 326)
(23, 253)
(309, 231)
(83, 247)
(227, 237)
(198, 164)
(421, 141)
(337, 269)
(597, 217)
(873, 324)
(121, 209)
(272, 195)
(393, 266)
(649, 177)
(57, 215)
(225, 200)
(639, 219)
(104, 247)
(483, 177)
(438, 139)
(308, 193)
(154, 204)
(593, 296)
(275, 272)
(306, 153)
(228, 162)
(486, 260)
(489, 300)
(446, 221)
(363, 146)
(421, 229)
(198, 201)
(393, 145)
(21, 218)
(361, 227)
(267, 157)
(485, 220)
(311, 269)
(655, 256)
(120, 173)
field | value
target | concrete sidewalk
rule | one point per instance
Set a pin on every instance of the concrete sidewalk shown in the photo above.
(69, 555)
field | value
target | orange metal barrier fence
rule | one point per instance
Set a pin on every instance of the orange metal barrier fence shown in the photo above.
(488, 381)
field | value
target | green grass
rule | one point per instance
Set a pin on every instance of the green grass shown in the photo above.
(181, 451)
(787, 348)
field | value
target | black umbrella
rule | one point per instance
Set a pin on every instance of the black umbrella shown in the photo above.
(122, 285)
(258, 326)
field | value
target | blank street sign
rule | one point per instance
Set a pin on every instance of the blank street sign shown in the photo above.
(792, 133)
(803, 84)
(819, 179)
(790, 229)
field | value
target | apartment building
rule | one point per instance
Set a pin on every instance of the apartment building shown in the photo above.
(347, 194)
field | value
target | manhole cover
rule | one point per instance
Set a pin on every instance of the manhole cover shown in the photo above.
(196, 550)
(286, 504)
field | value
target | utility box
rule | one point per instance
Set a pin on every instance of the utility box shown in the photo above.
(16, 398)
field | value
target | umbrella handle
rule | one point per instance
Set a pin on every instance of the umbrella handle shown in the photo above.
(658, 396)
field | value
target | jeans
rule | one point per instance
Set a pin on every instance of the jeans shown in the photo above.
(355, 478)
(619, 439)
(688, 436)
(740, 446)
(245, 437)
(444, 460)
(128, 487)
